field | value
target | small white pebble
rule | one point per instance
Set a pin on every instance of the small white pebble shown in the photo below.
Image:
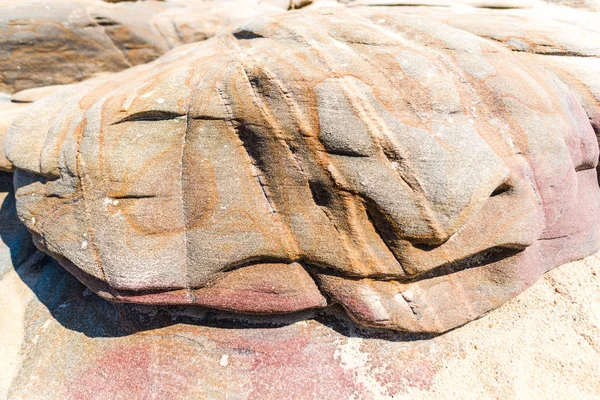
(224, 360)
(84, 245)
(160, 100)
(395, 164)
(115, 202)
(33, 221)
(381, 21)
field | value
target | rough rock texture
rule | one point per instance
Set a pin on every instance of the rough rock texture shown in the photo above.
(537, 33)
(554, 31)
(60, 341)
(583, 76)
(58, 42)
(418, 174)
(8, 113)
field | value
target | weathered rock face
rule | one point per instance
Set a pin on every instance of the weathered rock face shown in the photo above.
(565, 33)
(48, 43)
(414, 173)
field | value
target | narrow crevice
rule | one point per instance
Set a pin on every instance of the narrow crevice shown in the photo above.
(384, 230)
(346, 153)
(250, 141)
(412, 306)
(134, 196)
(177, 31)
(209, 118)
(480, 259)
(244, 34)
(561, 54)
(152, 115)
(321, 196)
(318, 269)
(556, 53)
(554, 237)
(503, 188)
(103, 21)
(484, 257)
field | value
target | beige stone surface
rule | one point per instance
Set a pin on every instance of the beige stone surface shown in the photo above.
(8, 112)
(63, 41)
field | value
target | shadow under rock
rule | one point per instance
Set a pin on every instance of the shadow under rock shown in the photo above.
(77, 308)
(16, 247)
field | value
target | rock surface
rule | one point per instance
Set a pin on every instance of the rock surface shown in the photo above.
(419, 186)
(8, 113)
(60, 341)
(59, 42)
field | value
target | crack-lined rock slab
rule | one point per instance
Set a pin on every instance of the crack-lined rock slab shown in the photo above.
(419, 174)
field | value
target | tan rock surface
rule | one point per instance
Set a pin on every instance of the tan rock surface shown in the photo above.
(59, 42)
(34, 94)
(8, 112)
(60, 341)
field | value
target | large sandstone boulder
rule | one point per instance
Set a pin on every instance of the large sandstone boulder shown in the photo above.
(49, 43)
(416, 174)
